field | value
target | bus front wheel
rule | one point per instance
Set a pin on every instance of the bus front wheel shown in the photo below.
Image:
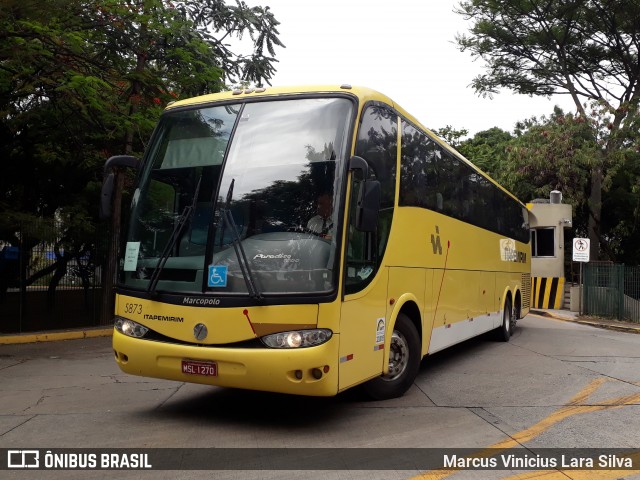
(404, 362)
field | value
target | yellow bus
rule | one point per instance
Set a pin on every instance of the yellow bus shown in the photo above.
(309, 240)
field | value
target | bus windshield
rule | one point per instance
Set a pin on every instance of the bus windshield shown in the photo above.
(240, 199)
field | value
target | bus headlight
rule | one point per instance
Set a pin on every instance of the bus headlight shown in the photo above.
(297, 338)
(130, 328)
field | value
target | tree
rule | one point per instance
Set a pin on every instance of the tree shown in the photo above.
(557, 153)
(452, 136)
(551, 154)
(487, 149)
(83, 80)
(80, 81)
(587, 49)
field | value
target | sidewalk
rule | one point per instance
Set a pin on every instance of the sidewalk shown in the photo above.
(55, 335)
(599, 322)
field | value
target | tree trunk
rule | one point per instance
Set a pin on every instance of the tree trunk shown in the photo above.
(113, 253)
(108, 293)
(595, 211)
(58, 275)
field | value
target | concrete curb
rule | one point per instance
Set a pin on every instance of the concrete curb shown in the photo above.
(545, 313)
(13, 339)
(606, 324)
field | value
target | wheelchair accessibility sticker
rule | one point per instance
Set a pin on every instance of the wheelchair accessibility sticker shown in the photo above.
(217, 276)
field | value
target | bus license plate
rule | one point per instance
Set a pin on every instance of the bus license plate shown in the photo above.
(193, 367)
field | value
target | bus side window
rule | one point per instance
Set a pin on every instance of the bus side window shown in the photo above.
(361, 252)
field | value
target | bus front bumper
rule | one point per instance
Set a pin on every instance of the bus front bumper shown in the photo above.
(305, 371)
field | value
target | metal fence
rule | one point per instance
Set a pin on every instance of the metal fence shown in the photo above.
(50, 278)
(612, 290)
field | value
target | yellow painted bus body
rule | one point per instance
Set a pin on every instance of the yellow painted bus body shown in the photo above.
(451, 277)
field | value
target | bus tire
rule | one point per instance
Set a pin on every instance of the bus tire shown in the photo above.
(505, 330)
(404, 362)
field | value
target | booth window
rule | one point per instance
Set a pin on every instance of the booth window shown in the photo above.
(543, 242)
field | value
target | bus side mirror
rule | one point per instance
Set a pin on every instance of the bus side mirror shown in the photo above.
(106, 195)
(368, 206)
(359, 164)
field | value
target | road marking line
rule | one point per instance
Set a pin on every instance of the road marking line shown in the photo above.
(574, 407)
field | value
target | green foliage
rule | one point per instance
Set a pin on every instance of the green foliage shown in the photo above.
(83, 80)
(452, 136)
(559, 153)
(551, 154)
(621, 224)
(487, 149)
(540, 47)
(585, 49)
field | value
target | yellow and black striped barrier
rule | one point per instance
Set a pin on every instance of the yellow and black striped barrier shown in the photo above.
(548, 292)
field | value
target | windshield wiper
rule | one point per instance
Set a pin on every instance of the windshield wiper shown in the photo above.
(185, 216)
(230, 224)
(226, 207)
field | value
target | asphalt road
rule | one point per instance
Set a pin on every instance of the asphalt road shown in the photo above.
(554, 385)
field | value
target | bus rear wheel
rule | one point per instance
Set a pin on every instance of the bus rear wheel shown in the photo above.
(404, 362)
(505, 330)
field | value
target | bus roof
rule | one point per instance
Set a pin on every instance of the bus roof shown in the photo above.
(361, 92)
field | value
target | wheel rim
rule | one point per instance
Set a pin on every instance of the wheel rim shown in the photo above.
(398, 356)
(507, 319)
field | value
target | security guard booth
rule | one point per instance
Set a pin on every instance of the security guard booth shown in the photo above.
(548, 219)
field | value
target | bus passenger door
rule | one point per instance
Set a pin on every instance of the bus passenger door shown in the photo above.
(362, 319)
(363, 315)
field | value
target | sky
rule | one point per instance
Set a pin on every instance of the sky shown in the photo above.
(402, 48)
